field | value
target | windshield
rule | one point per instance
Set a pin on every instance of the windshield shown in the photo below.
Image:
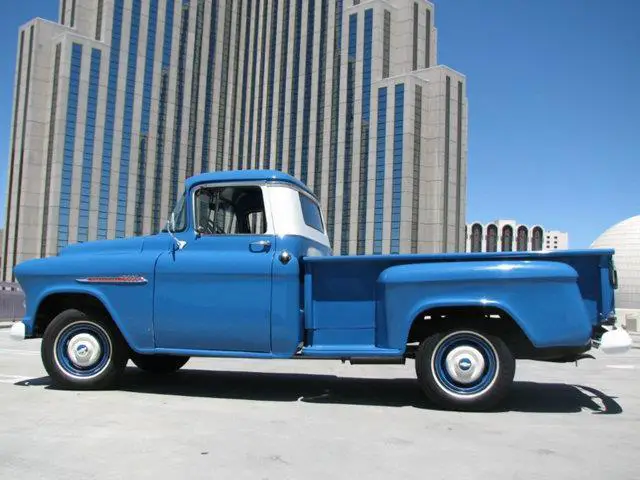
(180, 214)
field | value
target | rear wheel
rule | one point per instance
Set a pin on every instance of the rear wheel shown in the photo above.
(465, 369)
(159, 363)
(83, 351)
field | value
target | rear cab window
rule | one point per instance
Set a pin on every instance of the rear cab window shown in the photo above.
(311, 213)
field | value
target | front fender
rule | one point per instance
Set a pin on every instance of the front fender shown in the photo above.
(542, 297)
(129, 304)
(136, 330)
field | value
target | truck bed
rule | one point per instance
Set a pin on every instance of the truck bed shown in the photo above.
(347, 299)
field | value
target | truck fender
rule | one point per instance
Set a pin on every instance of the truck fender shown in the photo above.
(542, 297)
(92, 292)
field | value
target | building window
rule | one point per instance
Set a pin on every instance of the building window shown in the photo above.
(234, 94)
(110, 114)
(294, 88)
(73, 13)
(348, 144)
(273, 37)
(417, 143)
(162, 115)
(245, 79)
(522, 239)
(415, 35)
(69, 146)
(127, 121)
(507, 238)
(89, 137)
(52, 133)
(476, 237)
(99, 19)
(335, 120)
(492, 238)
(308, 71)
(365, 132)
(447, 129)
(459, 219)
(63, 12)
(427, 51)
(381, 146)
(208, 99)
(386, 44)
(322, 78)
(179, 102)
(263, 62)
(252, 91)
(396, 195)
(146, 113)
(195, 90)
(536, 241)
(16, 233)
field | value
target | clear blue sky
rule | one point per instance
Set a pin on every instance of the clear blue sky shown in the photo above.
(554, 106)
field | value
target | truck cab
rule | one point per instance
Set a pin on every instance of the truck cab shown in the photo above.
(244, 268)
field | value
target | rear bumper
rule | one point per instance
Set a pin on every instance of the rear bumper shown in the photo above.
(614, 340)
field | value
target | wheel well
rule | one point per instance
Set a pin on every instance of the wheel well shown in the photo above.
(492, 320)
(57, 303)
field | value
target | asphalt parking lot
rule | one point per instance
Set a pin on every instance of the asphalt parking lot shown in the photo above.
(241, 419)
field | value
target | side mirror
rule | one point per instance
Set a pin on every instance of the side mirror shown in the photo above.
(171, 227)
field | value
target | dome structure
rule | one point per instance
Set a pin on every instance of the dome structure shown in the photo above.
(624, 237)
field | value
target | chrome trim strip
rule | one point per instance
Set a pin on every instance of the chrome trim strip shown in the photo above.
(119, 280)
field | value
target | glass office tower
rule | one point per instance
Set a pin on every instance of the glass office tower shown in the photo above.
(121, 100)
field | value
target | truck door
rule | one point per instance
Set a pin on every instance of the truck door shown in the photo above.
(215, 293)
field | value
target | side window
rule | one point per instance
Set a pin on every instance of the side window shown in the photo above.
(230, 211)
(311, 213)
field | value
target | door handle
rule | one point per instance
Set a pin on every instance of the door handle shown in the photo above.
(260, 246)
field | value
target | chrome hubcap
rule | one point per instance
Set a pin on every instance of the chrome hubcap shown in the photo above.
(465, 364)
(84, 350)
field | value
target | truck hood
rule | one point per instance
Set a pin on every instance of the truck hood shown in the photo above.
(117, 246)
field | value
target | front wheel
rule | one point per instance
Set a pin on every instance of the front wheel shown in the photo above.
(83, 351)
(465, 369)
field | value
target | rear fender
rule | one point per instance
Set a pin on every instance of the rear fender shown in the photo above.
(542, 297)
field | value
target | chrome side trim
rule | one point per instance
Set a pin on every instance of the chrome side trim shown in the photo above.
(120, 280)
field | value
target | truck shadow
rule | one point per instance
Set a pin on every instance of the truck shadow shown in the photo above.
(328, 389)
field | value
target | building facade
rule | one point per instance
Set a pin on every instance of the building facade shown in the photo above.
(508, 236)
(121, 100)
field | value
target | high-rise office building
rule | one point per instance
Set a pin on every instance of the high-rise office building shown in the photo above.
(120, 100)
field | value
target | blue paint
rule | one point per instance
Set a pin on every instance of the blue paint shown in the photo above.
(69, 146)
(89, 141)
(219, 296)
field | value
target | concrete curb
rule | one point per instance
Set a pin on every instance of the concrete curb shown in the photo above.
(5, 324)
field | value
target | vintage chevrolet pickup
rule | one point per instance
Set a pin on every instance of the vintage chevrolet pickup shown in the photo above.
(244, 268)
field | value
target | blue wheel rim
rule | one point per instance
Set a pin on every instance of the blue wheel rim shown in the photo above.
(62, 343)
(469, 340)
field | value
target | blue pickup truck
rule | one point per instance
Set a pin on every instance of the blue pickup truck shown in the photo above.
(245, 269)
